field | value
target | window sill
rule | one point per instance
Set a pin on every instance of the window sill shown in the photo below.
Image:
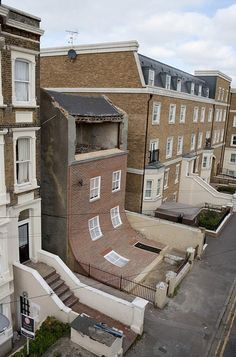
(115, 190)
(94, 239)
(25, 187)
(30, 105)
(171, 123)
(94, 199)
(165, 187)
(153, 123)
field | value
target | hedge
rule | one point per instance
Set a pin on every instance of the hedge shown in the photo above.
(48, 333)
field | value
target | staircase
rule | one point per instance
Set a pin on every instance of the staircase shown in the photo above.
(55, 282)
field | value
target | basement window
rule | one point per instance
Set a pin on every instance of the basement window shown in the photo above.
(116, 259)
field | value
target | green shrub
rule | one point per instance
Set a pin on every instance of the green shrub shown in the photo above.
(50, 331)
(210, 219)
(227, 189)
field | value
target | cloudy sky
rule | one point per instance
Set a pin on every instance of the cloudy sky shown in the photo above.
(188, 34)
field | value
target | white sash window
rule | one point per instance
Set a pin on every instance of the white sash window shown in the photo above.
(23, 160)
(22, 81)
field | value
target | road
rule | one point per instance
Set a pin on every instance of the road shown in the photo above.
(188, 325)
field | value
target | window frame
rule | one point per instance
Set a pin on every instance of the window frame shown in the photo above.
(30, 59)
(115, 216)
(97, 226)
(116, 180)
(232, 140)
(177, 173)
(210, 111)
(203, 113)
(192, 142)
(166, 179)
(199, 140)
(182, 115)
(170, 153)
(192, 88)
(158, 188)
(234, 121)
(119, 258)
(179, 152)
(151, 77)
(232, 162)
(168, 82)
(195, 114)
(98, 188)
(172, 115)
(158, 114)
(148, 189)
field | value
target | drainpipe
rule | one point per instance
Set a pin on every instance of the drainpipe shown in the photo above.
(145, 148)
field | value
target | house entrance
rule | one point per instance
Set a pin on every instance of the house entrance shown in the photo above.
(23, 233)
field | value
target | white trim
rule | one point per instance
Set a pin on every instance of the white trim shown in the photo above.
(30, 128)
(24, 27)
(120, 46)
(217, 146)
(146, 90)
(115, 215)
(232, 111)
(132, 170)
(171, 162)
(17, 36)
(24, 50)
(140, 72)
(210, 73)
(119, 257)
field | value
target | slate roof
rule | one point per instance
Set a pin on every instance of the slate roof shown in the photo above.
(88, 106)
(161, 69)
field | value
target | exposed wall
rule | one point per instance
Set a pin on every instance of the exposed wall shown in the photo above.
(174, 235)
(54, 161)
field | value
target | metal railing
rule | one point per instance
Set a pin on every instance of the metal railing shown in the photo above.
(119, 282)
(154, 156)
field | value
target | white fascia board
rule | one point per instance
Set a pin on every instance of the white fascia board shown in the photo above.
(24, 27)
(211, 73)
(7, 8)
(142, 90)
(92, 48)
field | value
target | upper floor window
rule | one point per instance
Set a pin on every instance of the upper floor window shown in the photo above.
(222, 94)
(23, 79)
(217, 115)
(94, 228)
(22, 160)
(195, 114)
(116, 178)
(210, 115)
(203, 110)
(24, 147)
(180, 145)
(156, 113)
(224, 115)
(226, 96)
(151, 77)
(172, 111)
(182, 114)
(177, 171)
(233, 140)
(200, 89)
(234, 122)
(179, 85)
(219, 94)
(192, 143)
(192, 88)
(95, 184)
(115, 217)
(168, 81)
(169, 147)
(222, 135)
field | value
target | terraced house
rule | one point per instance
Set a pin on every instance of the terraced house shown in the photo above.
(176, 121)
(20, 203)
(229, 167)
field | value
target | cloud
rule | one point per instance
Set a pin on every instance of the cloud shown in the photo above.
(189, 34)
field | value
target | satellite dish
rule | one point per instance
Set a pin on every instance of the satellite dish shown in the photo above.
(72, 54)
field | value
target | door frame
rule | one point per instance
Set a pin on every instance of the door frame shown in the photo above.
(21, 223)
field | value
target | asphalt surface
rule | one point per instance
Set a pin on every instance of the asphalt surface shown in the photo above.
(187, 326)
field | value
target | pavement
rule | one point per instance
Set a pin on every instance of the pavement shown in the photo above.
(189, 324)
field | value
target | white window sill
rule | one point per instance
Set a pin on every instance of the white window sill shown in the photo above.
(171, 122)
(117, 190)
(148, 199)
(94, 199)
(25, 187)
(176, 182)
(118, 225)
(168, 157)
(94, 239)
(232, 163)
(25, 104)
(154, 123)
(165, 187)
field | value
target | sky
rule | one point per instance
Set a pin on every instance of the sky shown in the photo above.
(188, 34)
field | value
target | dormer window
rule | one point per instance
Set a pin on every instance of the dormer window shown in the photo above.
(151, 77)
(192, 88)
(200, 90)
(178, 86)
(168, 81)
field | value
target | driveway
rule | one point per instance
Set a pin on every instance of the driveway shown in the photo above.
(187, 325)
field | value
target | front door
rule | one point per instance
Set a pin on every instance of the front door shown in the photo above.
(24, 242)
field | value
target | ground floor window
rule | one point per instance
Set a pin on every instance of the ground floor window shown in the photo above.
(116, 259)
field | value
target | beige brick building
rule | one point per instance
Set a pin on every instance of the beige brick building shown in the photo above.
(20, 203)
(229, 166)
(175, 118)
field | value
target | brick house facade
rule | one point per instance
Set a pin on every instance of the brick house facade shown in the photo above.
(148, 90)
(229, 167)
(20, 203)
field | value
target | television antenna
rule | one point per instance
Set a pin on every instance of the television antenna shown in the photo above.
(73, 35)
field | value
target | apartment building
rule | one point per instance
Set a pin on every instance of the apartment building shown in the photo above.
(176, 121)
(20, 223)
(229, 166)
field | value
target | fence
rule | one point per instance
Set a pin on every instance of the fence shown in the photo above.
(117, 281)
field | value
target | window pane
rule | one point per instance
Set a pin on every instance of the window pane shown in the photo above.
(22, 91)
(21, 71)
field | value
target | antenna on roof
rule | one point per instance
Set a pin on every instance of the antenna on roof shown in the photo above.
(73, 35)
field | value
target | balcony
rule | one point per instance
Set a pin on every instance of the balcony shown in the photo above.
(154, 156)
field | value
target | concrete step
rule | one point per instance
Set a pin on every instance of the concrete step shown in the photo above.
(52, 279)
(61, 290)
(66, 296)
(48, 274)
(72, 301)
(57, 284)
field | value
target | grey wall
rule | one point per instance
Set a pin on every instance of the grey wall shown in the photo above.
(54, 163)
